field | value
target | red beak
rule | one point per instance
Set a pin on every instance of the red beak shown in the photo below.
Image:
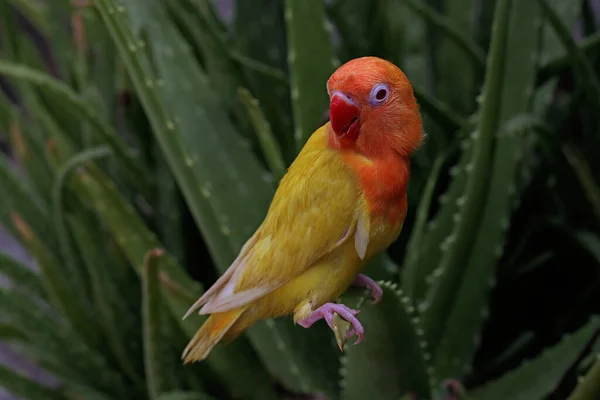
(343, 114)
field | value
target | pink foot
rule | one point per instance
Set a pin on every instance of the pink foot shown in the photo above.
(368, 283)
(326, 312)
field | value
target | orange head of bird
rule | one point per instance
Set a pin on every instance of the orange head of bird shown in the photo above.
(373, 109)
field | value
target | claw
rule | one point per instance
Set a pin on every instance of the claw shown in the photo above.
(336, 315)
(364, 281)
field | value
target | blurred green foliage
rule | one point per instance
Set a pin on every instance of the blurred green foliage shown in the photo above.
(150, 137)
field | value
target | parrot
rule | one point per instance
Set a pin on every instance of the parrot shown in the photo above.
(341, 201)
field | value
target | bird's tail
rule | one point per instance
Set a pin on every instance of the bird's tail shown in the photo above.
(209, 334)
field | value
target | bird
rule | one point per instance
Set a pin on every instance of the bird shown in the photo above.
(341, 202)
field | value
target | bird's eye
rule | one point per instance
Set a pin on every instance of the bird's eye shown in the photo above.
(379, 94)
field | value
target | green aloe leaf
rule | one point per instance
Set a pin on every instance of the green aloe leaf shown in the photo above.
(9, 333)
(116, 316)
(190, 170)
(266, 139)
(71, 101)
(439, 111)
(410, 269)
(180, 291)
(29, 153)
(261, 51)
(590, 242)
(33, 11)
(554, 66)
(437, 306)
(393, 358)
(586, 73)
(19, 197)
(24, 387)
(184, 396)
(357, 22)
(589, 386)
(169, 208)
(154, 364)
(537, 377)
(552, 47)
(311, 61)
(469, 302)
(458, 89)
(423, 263)
(197, 21)
(72, 263)
(451, 32)
(61, 350)
(61, 289)
(21, 275)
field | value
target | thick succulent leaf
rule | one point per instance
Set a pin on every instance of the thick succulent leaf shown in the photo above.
(410, 270)
(180, 291)
(438, 304)
(184, 396)
(21, 275)
(62, 291)
(72, 263)
(551, 46)
(554, 66)
(116, 316)
(586, 74)
(356, 21)
(59, 348)
(263, 43)
(450, 29)
(590, 242)
(269, 145)
(29, 153)
(551, 42)
(392, 359)
(537, 377)
(69, 100)
(34, 11)
(210, 180)
(439, 111)
(26, 388)
(9, 333)
(163, 336)
(195, 21)
(18, 197)
(101, 78)
(169, 211)
(423, 263)
(311, 60)
(156, 375)
(588, 386)
(469, 310)
(454, 88)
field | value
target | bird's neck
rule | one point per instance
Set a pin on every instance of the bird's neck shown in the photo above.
(383, 181)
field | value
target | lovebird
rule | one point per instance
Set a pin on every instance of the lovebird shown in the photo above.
(342, 201)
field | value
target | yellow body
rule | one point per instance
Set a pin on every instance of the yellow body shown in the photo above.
(305, 253)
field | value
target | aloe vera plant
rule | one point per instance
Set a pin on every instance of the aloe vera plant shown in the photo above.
(147, 140)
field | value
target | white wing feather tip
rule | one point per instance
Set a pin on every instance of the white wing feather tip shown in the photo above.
(361, 237)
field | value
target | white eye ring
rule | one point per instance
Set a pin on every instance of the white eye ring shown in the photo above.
(379, 94)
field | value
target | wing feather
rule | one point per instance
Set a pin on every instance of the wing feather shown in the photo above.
(316, 208)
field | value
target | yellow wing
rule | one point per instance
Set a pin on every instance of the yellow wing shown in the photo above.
(317, 207)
